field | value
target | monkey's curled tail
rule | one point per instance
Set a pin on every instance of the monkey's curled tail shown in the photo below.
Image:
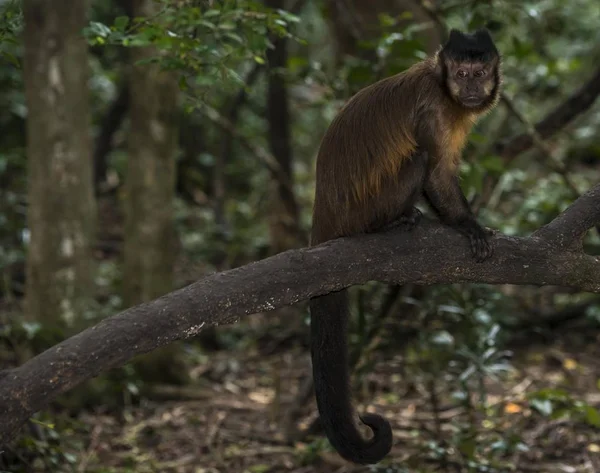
(329, 326)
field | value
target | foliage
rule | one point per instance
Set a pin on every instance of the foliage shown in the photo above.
(12, 21)
(208, 44)
(12, 164)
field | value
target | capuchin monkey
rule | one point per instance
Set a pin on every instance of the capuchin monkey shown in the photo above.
(394, 141)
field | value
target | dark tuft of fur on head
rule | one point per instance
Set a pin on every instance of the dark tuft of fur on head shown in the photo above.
(476, 47)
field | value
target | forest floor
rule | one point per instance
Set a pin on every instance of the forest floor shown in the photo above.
(230, 421)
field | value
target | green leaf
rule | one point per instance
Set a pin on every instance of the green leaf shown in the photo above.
(468, 447)
(543, 406)
(592, 416)
(207, 24)
(551, 393)
(443, 338)
(121, 23)
(451, 309)
(45, 424)
(493, 163)
(10, 58)
(385, 19)
(31, 328)
(227, 26)
(289, 17)
(183, 83)
(98, 29)
(234, 37)
(297, 62)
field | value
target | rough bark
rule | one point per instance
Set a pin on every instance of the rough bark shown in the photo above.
(61, 212)
(150, 181)
(430, 254)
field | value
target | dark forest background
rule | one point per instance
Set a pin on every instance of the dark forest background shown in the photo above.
(146, 144)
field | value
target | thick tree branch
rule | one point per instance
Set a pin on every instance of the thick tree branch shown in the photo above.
(562, 115)
(431, 254)
(568, 229)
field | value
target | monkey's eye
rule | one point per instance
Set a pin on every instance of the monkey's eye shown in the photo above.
(479, 73)
(462, 73)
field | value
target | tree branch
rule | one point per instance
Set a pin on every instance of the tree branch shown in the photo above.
(568, 229)
(553, 321)
(550, 159)
(263, 155)
(430, 254)
(573, 106)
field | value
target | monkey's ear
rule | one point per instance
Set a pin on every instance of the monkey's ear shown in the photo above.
(455, 39)
(483, 37)
(455, 35)
(483, 33)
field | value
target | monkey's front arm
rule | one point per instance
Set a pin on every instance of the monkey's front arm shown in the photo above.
(443, 193)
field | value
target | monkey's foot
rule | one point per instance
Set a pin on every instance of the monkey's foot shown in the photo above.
(411, 218)
(407, 221)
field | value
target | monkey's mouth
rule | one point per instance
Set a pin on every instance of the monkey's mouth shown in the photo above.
(471, 100)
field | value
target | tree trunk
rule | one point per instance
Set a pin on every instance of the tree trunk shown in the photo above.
(150, 182)
(283, 215)
(61, 212)
(149, 247)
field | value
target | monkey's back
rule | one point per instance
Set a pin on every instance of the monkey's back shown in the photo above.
(364, 150)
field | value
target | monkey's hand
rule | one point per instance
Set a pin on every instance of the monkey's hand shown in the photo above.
(479, 237)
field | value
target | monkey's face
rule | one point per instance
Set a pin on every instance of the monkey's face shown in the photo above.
(471, 83)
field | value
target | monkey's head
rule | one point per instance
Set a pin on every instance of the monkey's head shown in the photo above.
(469, 65)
